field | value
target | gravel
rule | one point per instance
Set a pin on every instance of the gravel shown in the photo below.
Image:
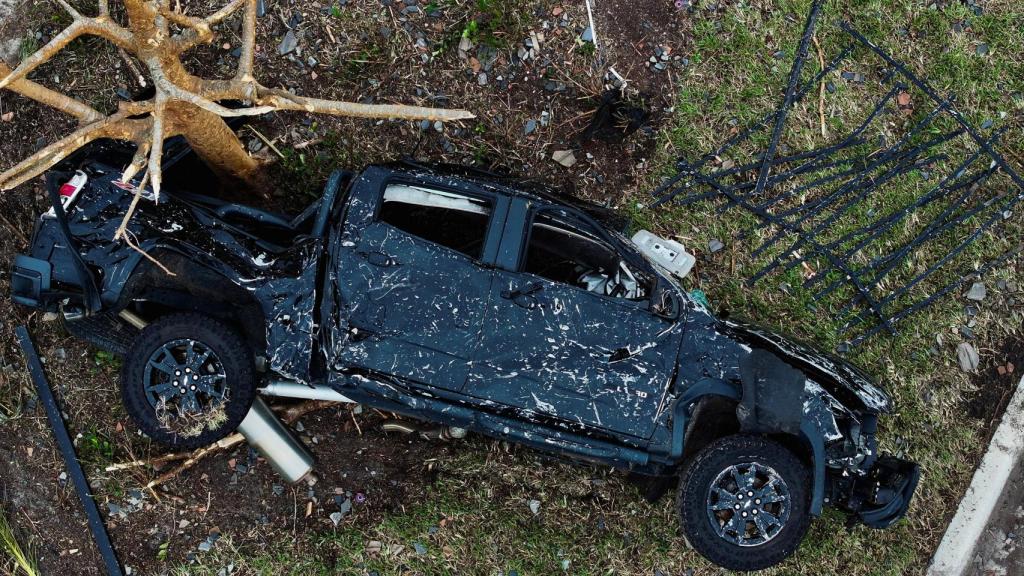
(288, 43)
(967, 355)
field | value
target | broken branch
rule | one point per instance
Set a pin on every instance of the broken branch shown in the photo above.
(44, 95)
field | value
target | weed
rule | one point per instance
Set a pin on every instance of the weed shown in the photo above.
(161, 553)
(95, 447)
(107, 360)
(28, 47)
(17, 559)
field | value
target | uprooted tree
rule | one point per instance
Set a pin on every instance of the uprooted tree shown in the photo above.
(183, 104)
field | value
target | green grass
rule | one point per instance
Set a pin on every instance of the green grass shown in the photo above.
(15, 559)
(475, 518)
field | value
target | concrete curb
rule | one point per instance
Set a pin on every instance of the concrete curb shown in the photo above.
(955, 552)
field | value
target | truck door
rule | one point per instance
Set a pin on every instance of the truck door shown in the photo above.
(570, 336)
(412, 282)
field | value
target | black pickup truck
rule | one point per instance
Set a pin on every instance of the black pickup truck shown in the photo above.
(473, 302)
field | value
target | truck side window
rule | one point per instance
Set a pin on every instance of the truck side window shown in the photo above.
(447, 218)
(574, 255)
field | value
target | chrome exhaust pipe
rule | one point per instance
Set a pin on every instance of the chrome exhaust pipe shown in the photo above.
(286, 389)
(276, 442)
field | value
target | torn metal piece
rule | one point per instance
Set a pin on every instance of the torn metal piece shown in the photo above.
(67, 449)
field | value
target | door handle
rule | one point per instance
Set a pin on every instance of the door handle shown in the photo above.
(619, 354)
(528, 290)
(379, 259)
(525, 297)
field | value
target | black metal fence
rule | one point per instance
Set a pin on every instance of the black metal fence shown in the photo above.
(811, 205)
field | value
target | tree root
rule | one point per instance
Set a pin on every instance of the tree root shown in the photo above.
(183, 104)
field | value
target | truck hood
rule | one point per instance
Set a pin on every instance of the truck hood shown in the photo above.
(844, 381)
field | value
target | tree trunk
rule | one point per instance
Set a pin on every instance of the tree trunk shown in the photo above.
(217, 146)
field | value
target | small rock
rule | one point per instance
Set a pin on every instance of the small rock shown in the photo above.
(336, 517)
(588, 35)
(288, 43)
(982, 49)
(534, 506)
(545, 118)
(465, 45)
(977, 292)
(564, 157)
(277, 489)
(1001, 285)
(482, 79)
(439, 126)
(420, 548)
(531, 125)
(205, 546)
(967, 355)
(715, 245)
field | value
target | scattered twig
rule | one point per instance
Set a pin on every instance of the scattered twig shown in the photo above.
(17, 231)
(265, 140)
(289, 416)
(129, 240)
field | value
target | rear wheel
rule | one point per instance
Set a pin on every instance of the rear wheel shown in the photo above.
(744, 502)
(188, 380)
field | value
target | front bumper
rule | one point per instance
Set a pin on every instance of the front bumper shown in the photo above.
(883, 496)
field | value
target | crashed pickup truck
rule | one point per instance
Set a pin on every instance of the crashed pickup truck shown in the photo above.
(474, 303)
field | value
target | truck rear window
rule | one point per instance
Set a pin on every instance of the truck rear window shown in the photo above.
(446, 218)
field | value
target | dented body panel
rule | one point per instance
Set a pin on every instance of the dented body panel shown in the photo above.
(526, 319)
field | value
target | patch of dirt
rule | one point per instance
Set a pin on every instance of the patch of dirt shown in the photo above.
(996, 383)
(367, 476)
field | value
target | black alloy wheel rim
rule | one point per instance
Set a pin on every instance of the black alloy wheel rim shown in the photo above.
(748, 504)
(185, 375)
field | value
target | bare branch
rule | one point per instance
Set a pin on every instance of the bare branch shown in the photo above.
(117, 126)
(103, 28)
(271, 99)
(245, 59)
(198, 29)
(157, 147)
(137, 163)
(44, 95)
(280, 100)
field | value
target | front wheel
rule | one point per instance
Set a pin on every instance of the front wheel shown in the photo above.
(188, 380)
(744, 502)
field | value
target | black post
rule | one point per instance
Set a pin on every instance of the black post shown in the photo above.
(99, 530)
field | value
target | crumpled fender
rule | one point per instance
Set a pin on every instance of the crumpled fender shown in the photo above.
(816, 425)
